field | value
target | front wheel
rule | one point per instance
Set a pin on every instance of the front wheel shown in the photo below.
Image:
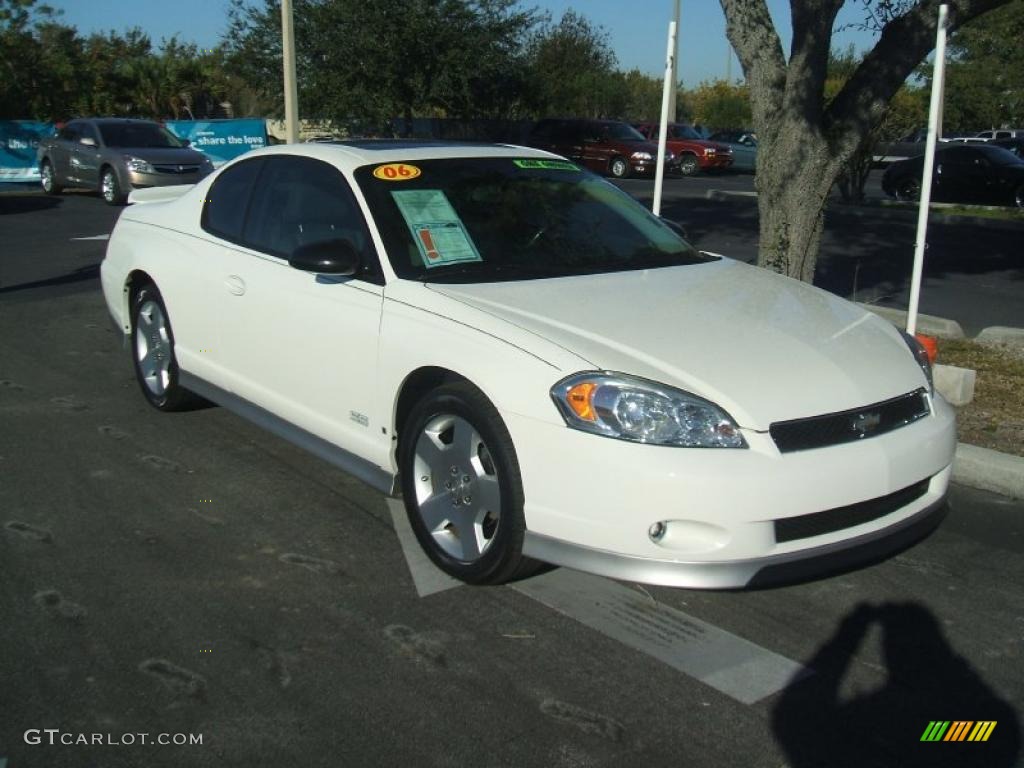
(619, 168)
(462, 488)
(48, 178)
(909, 190)
(689, 165)
(156, 368)
(110, 188)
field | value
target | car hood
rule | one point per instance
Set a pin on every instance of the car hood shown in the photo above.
(764, 347)
(169, 155)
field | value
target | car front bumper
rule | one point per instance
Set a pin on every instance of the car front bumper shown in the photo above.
(591, 502)
(146, 180)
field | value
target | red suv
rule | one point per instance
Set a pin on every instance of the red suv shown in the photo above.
(604, 146)
(692, 152)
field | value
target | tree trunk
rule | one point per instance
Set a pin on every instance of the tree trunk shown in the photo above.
(795, 171)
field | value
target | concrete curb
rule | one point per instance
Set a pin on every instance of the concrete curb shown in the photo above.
(926, 324)
(989, 470)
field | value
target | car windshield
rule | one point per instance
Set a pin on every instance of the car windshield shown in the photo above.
(503, 219)
(138, 136)
(621, 132)
(683, 132)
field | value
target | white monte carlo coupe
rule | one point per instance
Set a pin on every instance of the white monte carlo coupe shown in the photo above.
(544, 370)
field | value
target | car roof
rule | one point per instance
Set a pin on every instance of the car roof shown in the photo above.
(111, 120)
(349, 155)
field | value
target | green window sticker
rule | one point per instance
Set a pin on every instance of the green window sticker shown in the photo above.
(436, 228)
(547, 165)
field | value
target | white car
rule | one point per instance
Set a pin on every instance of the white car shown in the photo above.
(543, 369)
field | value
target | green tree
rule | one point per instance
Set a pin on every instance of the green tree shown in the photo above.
(720, 105)
(984, 79)
(571, 69)
(805, 139)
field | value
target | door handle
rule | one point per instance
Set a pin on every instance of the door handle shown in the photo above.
(235, 285)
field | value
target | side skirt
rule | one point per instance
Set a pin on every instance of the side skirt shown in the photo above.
(360, 468)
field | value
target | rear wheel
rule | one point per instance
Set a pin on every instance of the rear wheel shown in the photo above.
(110, 188)
(689, 165)
(619, 168)
(462, 488)
(156, 368)
(48, 178)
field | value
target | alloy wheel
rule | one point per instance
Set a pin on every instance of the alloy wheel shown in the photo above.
(47, 177)
(153, 347)
(458, 495)
(108, 187)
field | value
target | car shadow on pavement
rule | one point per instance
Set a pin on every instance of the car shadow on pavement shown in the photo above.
(927, 681)
(80, 275)
(27, 202)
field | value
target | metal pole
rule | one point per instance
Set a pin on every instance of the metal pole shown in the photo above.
(659, 172)
(291, 94)
(675, 69)
(934, 126)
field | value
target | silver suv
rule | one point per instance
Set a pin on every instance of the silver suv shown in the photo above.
(115, 156)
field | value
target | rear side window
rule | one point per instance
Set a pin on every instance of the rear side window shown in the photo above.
(299, 201)
(227, 200)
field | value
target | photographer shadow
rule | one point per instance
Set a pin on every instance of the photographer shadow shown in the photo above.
(927, 681)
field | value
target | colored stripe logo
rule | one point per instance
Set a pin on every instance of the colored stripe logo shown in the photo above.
(958, 730)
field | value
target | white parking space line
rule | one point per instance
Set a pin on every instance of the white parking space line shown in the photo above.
(730, 664)
(426, 577)
(93, 237)
(738, 668)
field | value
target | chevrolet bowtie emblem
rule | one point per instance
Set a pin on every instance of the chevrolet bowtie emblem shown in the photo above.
(865, 423)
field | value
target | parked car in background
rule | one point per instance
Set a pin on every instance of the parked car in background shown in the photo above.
(964, 173)
(1013, 145)
(1002, 133)
(693, 153)
(115, 156)
(460, 322)
(743, 145)
(604, 146)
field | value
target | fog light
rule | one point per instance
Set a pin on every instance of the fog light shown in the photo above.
(657, 531)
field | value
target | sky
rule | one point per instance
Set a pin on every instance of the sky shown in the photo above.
(637, 29)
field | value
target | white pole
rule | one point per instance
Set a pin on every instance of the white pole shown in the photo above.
(291, 95)
(934, 126)
(675, 68)
(659, 171)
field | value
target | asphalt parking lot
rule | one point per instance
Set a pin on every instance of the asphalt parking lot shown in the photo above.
(190, 574)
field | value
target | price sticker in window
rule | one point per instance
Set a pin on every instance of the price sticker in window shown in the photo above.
(396, 172)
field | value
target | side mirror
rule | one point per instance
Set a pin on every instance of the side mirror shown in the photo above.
(326, 257)
(87, 141)
(185, 142)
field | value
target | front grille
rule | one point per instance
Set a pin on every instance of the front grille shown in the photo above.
(176, 169)
(849, 426)
(818, 523)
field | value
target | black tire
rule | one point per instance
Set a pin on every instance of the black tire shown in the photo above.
(172, 396)
(689, 165)
(110, 187)
(502, 559)
(909, 189)
(48, 178)
(619, 167)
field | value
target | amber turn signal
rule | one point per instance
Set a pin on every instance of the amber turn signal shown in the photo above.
(579, 400)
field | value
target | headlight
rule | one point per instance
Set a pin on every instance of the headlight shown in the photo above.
(641, 156)
(138, 165)
(921, 355)
(630, 408)
(709, 150)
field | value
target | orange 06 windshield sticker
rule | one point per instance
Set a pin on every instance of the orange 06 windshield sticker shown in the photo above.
(396, 172)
